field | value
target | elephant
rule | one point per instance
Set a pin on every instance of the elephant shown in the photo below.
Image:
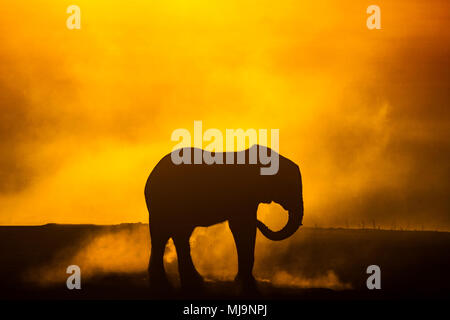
(181, 197)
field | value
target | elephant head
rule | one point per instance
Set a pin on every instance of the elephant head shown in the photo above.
(284, 188)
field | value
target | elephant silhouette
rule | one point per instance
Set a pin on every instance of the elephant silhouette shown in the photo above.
(181, 197)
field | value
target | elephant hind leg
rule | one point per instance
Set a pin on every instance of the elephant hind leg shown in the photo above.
(157, 274)
(189, 277)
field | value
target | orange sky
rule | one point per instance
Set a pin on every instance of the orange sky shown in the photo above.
(86, 114)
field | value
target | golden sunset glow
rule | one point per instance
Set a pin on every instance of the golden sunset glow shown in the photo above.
(86, 114)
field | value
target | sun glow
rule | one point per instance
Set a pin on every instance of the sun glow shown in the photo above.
(91, 111)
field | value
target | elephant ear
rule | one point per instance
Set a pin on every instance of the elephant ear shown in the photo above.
(265, 189)
(268, 187)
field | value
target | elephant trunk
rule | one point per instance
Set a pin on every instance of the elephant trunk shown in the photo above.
(294, 222)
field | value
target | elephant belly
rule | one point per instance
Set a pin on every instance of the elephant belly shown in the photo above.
(200, 215)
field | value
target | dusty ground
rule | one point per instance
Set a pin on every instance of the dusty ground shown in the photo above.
(315, 264)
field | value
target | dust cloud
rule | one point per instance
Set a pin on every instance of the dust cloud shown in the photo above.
(125, 250)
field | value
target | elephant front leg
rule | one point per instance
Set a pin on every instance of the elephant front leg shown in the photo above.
(244, 233)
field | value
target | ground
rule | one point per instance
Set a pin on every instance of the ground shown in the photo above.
(315, 264)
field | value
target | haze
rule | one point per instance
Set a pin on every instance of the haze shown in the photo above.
(86, 114)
